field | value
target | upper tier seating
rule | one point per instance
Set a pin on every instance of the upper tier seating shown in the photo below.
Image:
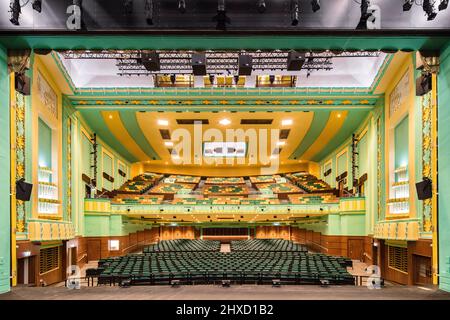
(185, 179)
(310, 198)
(225, 190)
(279, 187)
(225, 200)
(308, 182)
(137, 199)
(277, 245)
(170, 188)
(264, 179)
(140, 184)
(183, 245)
(225, 180)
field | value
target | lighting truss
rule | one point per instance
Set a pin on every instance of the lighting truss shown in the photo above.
(218, 62)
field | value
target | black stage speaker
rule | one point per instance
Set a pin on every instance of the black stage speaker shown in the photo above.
(423, 84)
(424, 189)
(295, 61)
(23, 190)
(245, 65)
(199, 64)
(22, 83)
(150, 61)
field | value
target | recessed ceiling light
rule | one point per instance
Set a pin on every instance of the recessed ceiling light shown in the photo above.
(338, 115)
(168, 143)
(281, 143)
(110, 116)
(162, 122)
(286, 122)
(225, 122)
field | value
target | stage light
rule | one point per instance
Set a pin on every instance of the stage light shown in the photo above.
(428, 7)
(128, 6)
(443, 5)
(365, 15)
(162, 122)
(15, 12)
(408, 5)
(221, 16)
(148, 9)
(295, 12)
(286, 122)
(225, 122)
(182, 6)
(261, 4)
(37, 5)
(315, 5)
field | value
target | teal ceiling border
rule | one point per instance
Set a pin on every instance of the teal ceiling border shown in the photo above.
(225, 42)
(352, 122)
(132, 126)
(96, 123)
(317, 125)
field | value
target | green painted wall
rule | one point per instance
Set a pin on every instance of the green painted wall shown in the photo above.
(444, 170)
(5, 176)
(44, 144)
(401, 148)
(107, 168)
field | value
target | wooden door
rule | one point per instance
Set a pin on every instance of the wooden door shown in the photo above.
(93, 250)
(422, 270)
(355, 249)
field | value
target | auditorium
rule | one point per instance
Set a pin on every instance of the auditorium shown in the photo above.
(142, 150)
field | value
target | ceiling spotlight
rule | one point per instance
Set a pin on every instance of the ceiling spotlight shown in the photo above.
(315, 5)
(428, 7)
(443, 5)
(37, 5)
(295, 12)
(221, 17)
(148, 10)
(182, 6)
(408, 5)
(261, 4)
(286, 122)
(15, 12)
(162, 122)
(365, 15)
(225, 122)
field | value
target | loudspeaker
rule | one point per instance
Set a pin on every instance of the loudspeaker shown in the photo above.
(199, 64)
(23, 190)
(424, 189)
(295, 61)
(150, 60)
(423, 84)
(245, 65)
(22, 83)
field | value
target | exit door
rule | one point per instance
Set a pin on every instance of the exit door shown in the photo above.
(356, 249)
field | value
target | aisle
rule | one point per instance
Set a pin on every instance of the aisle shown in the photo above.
(225, 247)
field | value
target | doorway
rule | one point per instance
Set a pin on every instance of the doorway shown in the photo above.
(26, 271)
(356, 249)
(94, 250)
(422, 270)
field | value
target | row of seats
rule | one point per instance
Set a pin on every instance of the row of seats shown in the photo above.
(279, 187)
(264, 179)
(137, 199)
(313, 199)
(277, 245)
(225, 190)
(226, 200)
(225, 180)
(185, 179)
(170, 188)
(161, 267)
(308, 182)
(183, 245)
